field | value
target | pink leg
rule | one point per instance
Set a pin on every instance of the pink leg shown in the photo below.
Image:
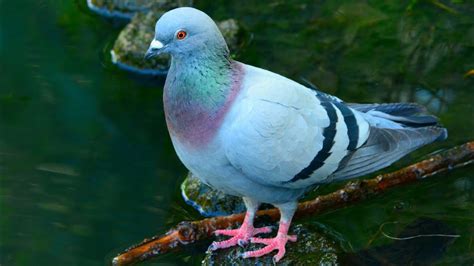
(279, 242)
(242, 235)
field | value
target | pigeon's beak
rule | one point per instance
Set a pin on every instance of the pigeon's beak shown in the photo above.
(154, 50)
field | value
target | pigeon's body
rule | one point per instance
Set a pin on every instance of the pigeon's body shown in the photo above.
(258, 135)
(268, 130)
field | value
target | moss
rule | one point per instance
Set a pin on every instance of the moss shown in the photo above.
(232, 33)
(208, 201)
(129, 7)
(133, 42)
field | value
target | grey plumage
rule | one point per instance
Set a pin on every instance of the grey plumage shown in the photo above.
(255, 134)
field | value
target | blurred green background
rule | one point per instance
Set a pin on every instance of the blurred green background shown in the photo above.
(86, 164)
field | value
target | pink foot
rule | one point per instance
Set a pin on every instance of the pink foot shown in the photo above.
(277, 243)
(239, 237)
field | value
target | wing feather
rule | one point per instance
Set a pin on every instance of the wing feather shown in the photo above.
(276, 128)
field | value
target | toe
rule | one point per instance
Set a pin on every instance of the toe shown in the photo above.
(278, 243)
(259, 252)
(280, 254)
(292, 238)
(214, 246)
(225, 232)
(224, 244)
(259, 240)
(262, 230)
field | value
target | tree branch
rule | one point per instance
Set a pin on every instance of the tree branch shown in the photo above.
(189, 232)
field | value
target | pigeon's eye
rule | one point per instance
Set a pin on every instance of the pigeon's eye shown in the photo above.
(181, 35)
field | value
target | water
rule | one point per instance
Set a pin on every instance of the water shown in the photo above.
(86, 164)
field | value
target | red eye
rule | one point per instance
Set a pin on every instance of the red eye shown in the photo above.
(181, 35)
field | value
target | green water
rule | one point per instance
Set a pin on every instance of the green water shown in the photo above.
(86, 164)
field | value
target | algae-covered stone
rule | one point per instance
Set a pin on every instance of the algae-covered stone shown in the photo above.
(312, 248)
(208, 201)
(132, 43)
(125, 9)
(232, 33)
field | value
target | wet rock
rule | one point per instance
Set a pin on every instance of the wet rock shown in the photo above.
(125, 9)
(312, 248)
(208, 201)
(132, 43)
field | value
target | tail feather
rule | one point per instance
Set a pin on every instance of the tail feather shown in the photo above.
(404, 114)
(396, 109)
(408, 120)
(395, 130)
(385, 146)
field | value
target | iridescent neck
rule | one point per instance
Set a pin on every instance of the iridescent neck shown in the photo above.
(198, 93)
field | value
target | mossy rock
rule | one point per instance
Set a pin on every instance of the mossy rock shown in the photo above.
(208, 201)
(312, 248)
(134, 40)
(125, 9)
(132, 43)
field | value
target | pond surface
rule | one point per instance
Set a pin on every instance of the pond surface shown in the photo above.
(86, 164)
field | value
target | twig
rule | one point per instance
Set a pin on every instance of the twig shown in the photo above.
(189, 232)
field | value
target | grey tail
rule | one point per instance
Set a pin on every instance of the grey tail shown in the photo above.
(405, 114)
(389, 141)
(397, 109)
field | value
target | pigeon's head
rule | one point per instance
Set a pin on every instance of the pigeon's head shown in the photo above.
(186, 31)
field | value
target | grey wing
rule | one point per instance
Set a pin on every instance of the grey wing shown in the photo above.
(292, 144)
(284, 135)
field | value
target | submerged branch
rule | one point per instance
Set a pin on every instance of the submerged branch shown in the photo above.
(189, 232)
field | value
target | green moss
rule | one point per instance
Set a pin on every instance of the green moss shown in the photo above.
(132, 43)
(132, 6)
(208, 201)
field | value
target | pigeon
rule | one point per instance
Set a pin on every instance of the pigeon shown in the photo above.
(255, 134)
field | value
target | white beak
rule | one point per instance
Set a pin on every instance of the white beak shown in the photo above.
(156, 44)
(154, 50)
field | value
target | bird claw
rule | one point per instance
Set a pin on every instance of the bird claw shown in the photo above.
(277, 243)
(242, 242)
(213, 246)
(239, 237)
